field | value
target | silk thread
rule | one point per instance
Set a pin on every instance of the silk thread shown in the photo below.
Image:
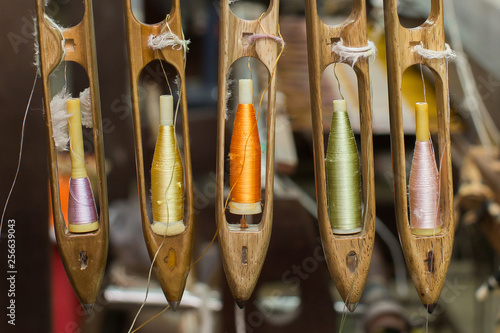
(244, 156)
(424, 188)
(343, 178)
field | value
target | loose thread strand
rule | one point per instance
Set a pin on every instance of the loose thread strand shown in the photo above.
(338, 81)
(147, 287)
(150, 319)
(20, 152)
(423, 82)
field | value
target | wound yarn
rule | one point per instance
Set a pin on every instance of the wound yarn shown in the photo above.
(352, 54)
(86, 108)
(448, 53)
(59, 117)
(253, 38)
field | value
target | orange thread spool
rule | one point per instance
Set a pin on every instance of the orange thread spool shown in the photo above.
(244, 157)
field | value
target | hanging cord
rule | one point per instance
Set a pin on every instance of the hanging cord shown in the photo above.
(37, 64)
(485, 126)
(352, 54)
(20, 151)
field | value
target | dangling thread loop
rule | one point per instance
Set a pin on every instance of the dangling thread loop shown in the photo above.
(352, 54)
(448, 53)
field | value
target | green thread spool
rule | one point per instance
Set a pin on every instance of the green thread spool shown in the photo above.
(342, 174)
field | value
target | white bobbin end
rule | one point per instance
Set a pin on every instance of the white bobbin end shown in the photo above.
(238, 208)
(339, 105)
(168, 228)
(245, 91)
(166, 110)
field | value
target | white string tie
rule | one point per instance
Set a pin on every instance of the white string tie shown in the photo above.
(448, 53)
(352, 54)
(168, 39)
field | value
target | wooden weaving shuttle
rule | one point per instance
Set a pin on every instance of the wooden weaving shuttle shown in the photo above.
(83, 255)
(244, 250)
(348, 256)
(427, 257)
(174, 259)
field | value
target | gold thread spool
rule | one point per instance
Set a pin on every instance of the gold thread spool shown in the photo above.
(78, 170)
(167, 182)
(342, 172)
(424, 180)
(244, 156)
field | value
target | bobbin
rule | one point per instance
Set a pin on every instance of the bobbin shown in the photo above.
(244, 250)
(83, 255)
(348, 256)
(173, 260)
(427, 257)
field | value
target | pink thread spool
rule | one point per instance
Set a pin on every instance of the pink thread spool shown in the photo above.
(425, 217)
(82, 213)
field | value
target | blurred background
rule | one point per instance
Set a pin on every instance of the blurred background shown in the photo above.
(295, 292)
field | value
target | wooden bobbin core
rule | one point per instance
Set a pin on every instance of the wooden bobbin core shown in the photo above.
(76, 139)
(422, 121)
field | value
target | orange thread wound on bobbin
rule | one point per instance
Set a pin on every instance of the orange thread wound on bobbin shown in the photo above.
(245, 154)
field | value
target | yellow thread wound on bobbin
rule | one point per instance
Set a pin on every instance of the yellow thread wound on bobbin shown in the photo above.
(167, 176)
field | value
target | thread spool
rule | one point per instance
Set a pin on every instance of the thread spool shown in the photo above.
(245, 156)
(82, 212)
(424, 180)
(167, 182)
(342, 174)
